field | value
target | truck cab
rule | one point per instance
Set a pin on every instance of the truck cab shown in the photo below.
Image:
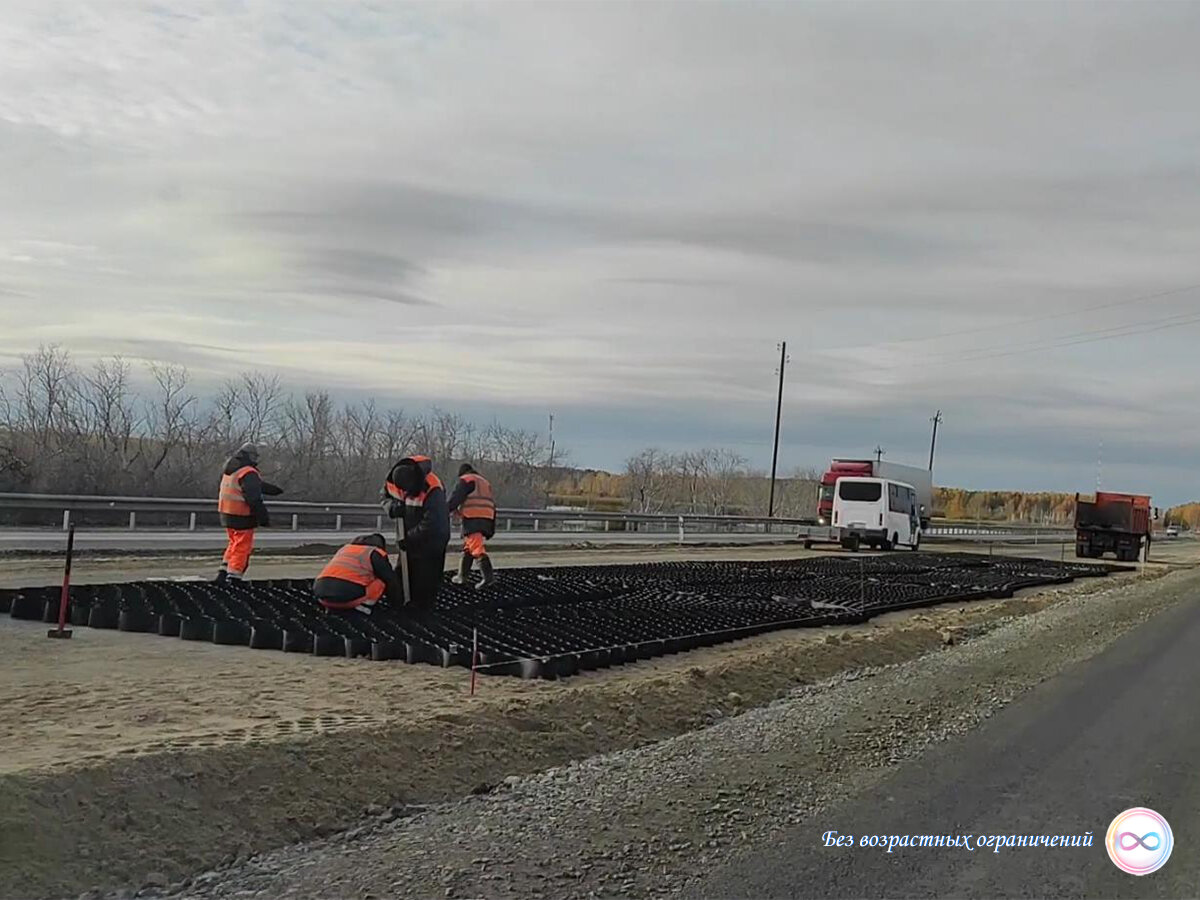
(878, 512)
(838, 468)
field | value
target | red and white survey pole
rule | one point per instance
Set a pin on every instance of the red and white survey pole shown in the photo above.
(474, 656)
(62, 631)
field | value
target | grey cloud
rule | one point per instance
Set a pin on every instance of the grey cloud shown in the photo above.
(332, 292)
(358, 263)
(678, 281)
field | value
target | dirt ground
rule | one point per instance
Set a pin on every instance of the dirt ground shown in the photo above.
(128, 754)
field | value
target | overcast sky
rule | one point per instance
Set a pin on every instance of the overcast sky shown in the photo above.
(615, 211)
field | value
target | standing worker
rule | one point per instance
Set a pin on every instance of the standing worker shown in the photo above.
(412, 492)
(358, 576)
(242, 509)
(474, 501)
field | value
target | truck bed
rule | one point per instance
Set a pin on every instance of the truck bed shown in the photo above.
(1113, 512)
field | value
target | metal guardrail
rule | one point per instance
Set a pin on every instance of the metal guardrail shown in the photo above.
(70, 503)
(564, 519)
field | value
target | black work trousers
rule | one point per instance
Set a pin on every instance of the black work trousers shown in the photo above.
(424, 576)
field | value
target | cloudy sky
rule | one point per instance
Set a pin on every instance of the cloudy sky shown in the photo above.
(614, 212)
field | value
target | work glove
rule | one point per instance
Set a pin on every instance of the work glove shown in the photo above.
(402, 546)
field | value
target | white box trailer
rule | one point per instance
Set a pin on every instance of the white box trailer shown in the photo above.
(921, 480)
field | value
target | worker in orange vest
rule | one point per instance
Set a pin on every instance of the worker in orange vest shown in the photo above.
(474, 502)
(413, 492)
(358, 576)
(242, 509)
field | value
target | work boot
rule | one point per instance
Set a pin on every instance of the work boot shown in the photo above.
(222, 574)
(489, 575)
(464, 570)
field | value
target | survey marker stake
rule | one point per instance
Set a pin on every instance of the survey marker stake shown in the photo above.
(62, 631)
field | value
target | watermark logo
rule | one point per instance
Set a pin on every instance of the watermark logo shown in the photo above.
(1139, 841)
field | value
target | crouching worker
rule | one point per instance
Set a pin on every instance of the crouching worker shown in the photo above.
(358, 576)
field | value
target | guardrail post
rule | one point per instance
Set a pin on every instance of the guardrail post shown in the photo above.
(681, 529)
(337, 523)
(606, 524)
(508, 524)
(66, 519)
(132, 520)
(379, 523)
(295, 522)
(535, 524)
(191, 522)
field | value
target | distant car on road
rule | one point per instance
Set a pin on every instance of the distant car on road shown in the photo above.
(1172, 531)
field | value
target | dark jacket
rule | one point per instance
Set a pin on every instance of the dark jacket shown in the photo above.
(338, 590)
(253, 488)
(427, 524)
(462, 490)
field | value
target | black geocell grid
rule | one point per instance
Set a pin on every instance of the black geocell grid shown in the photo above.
(554, 622)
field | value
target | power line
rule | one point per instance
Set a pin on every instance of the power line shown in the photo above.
(1129, 329)
(1145, 298)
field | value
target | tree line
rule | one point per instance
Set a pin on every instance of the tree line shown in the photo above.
(711, 481)
(1040, 508)
(97, 429)
(72, 429)
(1186, 515)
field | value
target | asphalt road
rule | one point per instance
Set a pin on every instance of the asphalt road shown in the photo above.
(53, 539)
(1115, 732)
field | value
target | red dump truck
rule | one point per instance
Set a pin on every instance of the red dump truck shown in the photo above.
(1112, 523)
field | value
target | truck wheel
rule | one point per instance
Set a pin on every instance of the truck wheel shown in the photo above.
(854, 544)
(885, 544)
(916, 545)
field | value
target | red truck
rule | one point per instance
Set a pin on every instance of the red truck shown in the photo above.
(1112, 523)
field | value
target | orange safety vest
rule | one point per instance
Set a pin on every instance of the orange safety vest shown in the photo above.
(353, 563)
(480, 503)
(232, 500)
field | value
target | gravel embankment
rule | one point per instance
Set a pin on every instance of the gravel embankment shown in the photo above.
(641, 822)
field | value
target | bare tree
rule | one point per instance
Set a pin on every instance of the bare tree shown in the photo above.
(258, 398)
(645, 471)
(167, 411)
(725, 469)
(224, 425)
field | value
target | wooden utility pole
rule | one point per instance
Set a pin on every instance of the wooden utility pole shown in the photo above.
(778, 418)
(936, 420)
